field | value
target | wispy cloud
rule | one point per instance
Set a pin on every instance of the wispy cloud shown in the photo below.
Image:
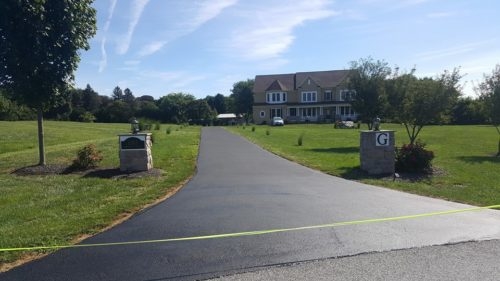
(136, 9)
(208, 10)
(104, 56)
(195, 16)
(453, 51)
(268, 30)
(151, 48)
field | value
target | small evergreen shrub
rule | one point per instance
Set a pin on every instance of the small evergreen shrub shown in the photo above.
(268, 132)
(169, 130)
(414, 158)
(253, 128)
(157, 126)
(87, 157)
(300, 139)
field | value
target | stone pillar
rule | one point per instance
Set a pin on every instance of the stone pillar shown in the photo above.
(377, 152)
(135, 152)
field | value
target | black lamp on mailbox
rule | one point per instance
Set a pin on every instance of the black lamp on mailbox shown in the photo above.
(134, 126)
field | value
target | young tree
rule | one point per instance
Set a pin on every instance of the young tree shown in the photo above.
(489, 91)
(367, 79)
(40, 50)
(426, 100)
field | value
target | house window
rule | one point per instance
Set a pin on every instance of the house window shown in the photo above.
(309, 96)
(328, 95)
(293, 112)
(262, 114)
(276, 97)
(346, 110)
(347, 95)
(309, 112)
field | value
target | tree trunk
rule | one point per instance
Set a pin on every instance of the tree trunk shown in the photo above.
(498, 153)
(498, 130)
(41, 145)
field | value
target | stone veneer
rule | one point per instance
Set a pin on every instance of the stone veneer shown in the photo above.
(135, 159)
(377, 159)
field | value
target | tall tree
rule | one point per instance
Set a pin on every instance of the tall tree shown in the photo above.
(367, 80)
(489, 90)
(40, 50)
(242, 94)
(117, 93)
(128, 97)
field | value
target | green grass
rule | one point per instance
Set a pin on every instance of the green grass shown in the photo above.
(56, 209)
(468, 170)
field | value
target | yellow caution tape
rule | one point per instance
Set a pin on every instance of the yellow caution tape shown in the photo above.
(257, 232)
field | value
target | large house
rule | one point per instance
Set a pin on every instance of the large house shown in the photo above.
(319, 96)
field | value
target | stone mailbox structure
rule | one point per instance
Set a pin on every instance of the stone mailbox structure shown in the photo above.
(135, 152)
(377, 152)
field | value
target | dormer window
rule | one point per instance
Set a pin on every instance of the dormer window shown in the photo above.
(276, 97)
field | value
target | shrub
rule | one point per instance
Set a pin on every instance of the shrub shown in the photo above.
(253, 128)
(169, 130)
(87, 157)
(414, 158)
(300, 139)
(268, 132)
(157, 126)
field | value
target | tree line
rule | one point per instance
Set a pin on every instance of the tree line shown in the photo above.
(402, 97)
(86, 105)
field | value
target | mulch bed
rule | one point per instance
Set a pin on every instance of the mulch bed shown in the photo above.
(107, 173)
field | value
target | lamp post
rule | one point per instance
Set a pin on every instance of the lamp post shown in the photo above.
(134, 126)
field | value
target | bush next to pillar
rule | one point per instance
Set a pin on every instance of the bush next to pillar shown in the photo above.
(414, 158)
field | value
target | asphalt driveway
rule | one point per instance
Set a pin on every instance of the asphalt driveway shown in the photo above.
(240, 187)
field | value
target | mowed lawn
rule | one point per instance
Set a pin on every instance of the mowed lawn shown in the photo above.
(466, 169)
(47, 210)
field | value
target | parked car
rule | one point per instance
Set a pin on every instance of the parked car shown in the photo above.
(278, 121)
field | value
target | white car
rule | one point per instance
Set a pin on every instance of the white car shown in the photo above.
(278, 121)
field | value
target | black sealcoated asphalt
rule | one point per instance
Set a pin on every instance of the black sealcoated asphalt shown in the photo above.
(240, 187)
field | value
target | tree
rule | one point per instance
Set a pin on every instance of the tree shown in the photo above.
(128, 97)
(367, 80)
(489, 91)
(40, 51)
(426, 100)
(468, 111)
(173, 107)
(117, 93)
(242, 94)
(199, 112)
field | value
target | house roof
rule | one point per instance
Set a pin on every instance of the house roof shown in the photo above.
(287, 82)
(277, 86)
(263, 82)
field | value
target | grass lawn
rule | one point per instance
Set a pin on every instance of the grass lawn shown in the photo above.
(468, 172)
(57, 209)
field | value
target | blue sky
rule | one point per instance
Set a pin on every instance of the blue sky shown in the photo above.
(202, 47)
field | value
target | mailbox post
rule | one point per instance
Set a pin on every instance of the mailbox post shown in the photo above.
(377, 153)
(135, 152)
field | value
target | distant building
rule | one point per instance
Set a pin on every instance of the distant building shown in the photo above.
(319, 96)
(229, 119)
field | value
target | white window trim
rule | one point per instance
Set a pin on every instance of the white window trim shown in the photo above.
(305, 94)
(262, 114)
(279, 97)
